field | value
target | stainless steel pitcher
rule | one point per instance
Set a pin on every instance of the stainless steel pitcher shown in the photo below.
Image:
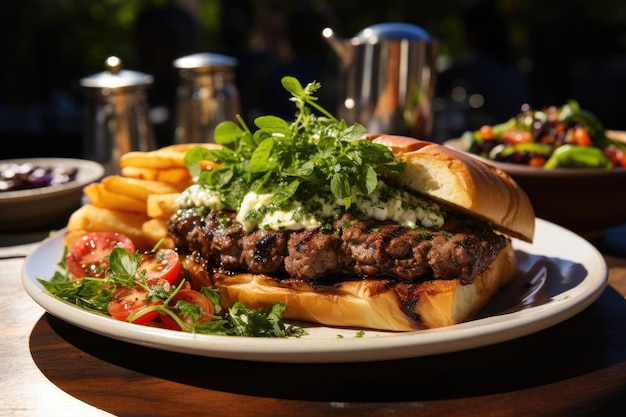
(116, 114)
(206, 96)
(387, 78)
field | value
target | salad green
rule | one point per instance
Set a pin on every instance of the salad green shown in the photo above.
(553, 137)
(315, 155)
(124, 272)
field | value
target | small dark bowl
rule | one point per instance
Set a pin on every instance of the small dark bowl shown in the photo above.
(46, 207)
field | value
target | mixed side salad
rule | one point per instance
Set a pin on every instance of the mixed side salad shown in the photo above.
(103, 272)
(552, 137)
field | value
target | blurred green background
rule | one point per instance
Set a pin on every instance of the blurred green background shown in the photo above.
(503, 52)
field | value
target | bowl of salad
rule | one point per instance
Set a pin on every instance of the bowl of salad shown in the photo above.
(41, 193)
(571, 167)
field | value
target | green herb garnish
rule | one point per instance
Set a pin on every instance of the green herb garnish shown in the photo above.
(94, 294)
(316, 154)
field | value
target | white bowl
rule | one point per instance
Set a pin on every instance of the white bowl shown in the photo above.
(50, 206)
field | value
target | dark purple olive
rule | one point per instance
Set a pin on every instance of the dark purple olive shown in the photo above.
(26, 176)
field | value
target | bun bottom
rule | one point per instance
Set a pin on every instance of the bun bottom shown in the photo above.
(372, 303)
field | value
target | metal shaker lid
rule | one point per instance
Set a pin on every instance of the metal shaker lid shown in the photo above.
(115, 77)
(205, 61)
(392, 31)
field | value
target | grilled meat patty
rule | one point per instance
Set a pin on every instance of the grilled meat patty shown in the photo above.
(355, 247)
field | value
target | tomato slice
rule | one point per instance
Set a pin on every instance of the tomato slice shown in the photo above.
(516, 137)
(193, 297)
(616, 156)
(86, 255)
(162, 265)
(131, 300)
(537, 161)
(169, 323)
(581, 137)
(486, 132)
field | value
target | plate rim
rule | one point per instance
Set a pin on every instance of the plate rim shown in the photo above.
(330, 347)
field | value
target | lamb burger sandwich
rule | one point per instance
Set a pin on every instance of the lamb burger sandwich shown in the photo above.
(347, 228)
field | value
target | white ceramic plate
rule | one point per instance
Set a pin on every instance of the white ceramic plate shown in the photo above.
(559, 275)
(22, 209)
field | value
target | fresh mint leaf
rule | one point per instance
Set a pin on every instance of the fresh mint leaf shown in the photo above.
(123, 267)
(293, 86)
(217, 178)
(275, 125)
(263, 159)
(227, 133)
(340, 187)
(285, 192)
(199, 153)
(369, 180)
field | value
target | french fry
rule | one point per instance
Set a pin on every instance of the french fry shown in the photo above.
(184, 147)
(178, 176)
(161, 206)
(90, 218)
(156, 229)
(153, 160)
(138, 202)
(138, 188)
(100, 196)
(164, 158)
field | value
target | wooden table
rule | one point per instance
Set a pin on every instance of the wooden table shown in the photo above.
(51, 368)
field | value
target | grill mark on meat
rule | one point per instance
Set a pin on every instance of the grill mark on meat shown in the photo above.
(312, 253)
(217, 236)
(361, 248)
(264, 251)
(387, 249)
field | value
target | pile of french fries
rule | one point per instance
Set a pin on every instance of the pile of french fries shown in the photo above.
(140, 200)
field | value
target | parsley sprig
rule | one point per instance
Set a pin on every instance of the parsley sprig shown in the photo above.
(316, 154)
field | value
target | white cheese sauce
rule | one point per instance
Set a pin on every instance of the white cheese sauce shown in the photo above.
(385, 203)
(199, 196)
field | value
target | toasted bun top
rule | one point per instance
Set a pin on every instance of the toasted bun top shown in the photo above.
(464, 182)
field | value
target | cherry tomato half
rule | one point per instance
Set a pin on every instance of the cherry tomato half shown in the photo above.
(86, 255)
(486, 132)
(164, 264)
(131, 300)
(580, 137)
(515, 137)
(193, 297)
(537, 161)
(616, 156)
